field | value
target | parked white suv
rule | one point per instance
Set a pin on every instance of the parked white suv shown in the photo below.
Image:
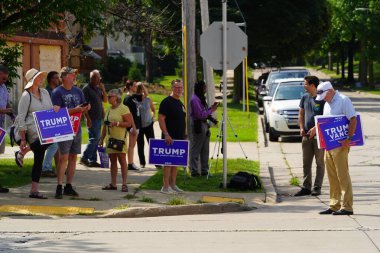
(283, 113)
(271, 89)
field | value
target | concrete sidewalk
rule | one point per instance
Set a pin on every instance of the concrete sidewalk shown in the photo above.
(89, 181)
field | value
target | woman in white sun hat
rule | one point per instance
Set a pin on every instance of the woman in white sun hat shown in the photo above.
(33, 99)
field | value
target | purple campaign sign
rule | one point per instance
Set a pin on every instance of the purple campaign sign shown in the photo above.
(176, 154)
(333, 129)
(53, 126)
(2, 135)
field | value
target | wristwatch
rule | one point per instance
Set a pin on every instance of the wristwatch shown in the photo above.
(349, 138)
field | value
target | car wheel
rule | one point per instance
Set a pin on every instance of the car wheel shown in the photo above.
(272, 136)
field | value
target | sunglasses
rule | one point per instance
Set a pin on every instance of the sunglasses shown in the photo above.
(319, 92)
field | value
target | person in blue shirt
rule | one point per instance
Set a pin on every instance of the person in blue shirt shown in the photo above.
(69, 96)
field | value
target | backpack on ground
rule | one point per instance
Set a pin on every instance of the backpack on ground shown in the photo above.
(244, 181)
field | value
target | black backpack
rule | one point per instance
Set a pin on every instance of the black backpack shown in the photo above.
(244, 181)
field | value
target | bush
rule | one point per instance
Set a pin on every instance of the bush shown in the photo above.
(114, 69)
(135, 72)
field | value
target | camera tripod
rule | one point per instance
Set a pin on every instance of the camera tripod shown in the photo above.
(221, 149)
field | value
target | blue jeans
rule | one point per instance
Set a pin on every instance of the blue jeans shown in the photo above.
(49, 155)
(93, 140)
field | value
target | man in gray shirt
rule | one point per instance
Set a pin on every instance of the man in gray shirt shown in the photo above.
(309, 108)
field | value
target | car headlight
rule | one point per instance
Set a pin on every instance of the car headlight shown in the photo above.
(281, 112)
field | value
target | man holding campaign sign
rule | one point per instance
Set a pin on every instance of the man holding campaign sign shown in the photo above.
(336, 160)
(71, 97)
(171, 117)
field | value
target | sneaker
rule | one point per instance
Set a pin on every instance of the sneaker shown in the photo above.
(58, 192)
(169, 190)
(84, 162)
(94, 164)
(328, 211)
(69, 191)
(316, 191)
(142, 166)
(195, 174)
(303, 192)
(133, 166)
(343, 212)
(177, 189)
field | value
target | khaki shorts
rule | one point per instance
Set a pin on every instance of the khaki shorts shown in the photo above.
(71, 146)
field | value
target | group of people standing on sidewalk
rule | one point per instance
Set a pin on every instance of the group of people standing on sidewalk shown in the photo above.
(118, 128)
(322, 99)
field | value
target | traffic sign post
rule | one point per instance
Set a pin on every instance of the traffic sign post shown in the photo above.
(224, 46)
(212, 45)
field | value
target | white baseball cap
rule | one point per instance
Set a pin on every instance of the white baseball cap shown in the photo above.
(322, 90)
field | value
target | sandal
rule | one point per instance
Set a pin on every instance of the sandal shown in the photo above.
(109, 187)
(124, 188)
(37, 195)
(19, 158)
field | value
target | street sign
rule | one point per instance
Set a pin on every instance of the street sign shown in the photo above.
(212, 45)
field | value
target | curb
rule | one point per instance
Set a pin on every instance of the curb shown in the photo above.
(265, 174)
(209, 208)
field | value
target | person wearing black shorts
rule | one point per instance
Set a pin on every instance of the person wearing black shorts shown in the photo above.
(171, 117)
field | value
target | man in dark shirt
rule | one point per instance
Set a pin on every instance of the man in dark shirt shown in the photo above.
(95, 94)
(171, 117)
(309, 107)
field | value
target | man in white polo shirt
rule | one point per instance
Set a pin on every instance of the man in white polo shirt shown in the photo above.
(336, 160)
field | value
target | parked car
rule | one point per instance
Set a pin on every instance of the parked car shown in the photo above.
(284, 108)
(271, 89)
(282, 73)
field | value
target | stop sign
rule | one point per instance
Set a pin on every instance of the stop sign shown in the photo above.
(212, 45)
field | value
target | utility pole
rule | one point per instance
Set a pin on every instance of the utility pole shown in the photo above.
(207, 69)
(189, 54)
(224, 7)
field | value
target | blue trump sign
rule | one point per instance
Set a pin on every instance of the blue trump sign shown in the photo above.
(53, 126)
(331, 130)
(176, 154)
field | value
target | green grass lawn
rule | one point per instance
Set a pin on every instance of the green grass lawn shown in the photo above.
(166, 80)
(13, 176)
(202, 184)
(243, 123)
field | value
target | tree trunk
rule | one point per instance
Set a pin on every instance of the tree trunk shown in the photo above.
(207, 70)
(189, 59)
(350, 54)
(338, 57)
(371, 78)
(238, 84)
(148, 50)
(363, 64)
(342, 61)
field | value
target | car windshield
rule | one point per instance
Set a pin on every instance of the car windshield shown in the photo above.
(289, 92)
(272, 89)
(287, 74)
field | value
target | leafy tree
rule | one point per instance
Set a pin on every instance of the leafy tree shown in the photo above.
(151, 24)
(38, 15)
(134, 72)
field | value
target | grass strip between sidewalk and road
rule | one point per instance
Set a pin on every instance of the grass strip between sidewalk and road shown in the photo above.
(202, 184)
(13, 176)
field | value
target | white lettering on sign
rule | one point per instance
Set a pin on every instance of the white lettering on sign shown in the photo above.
(337, 132)
(53, 122)
(169, 151)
